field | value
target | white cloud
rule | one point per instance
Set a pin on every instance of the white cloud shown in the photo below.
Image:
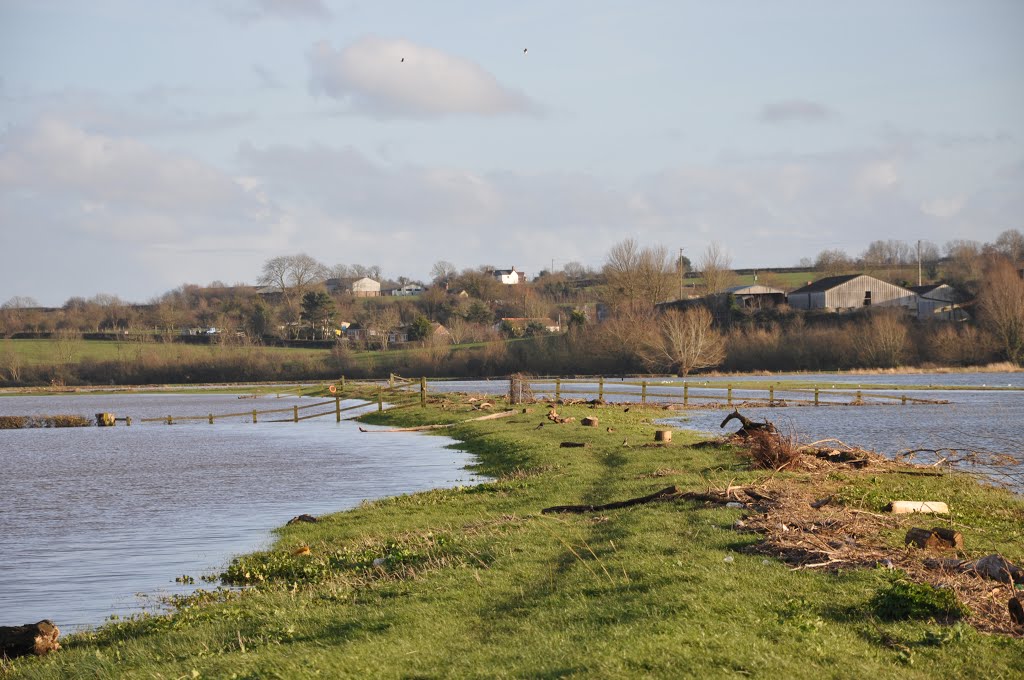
(248, 11)
(400, 78)
(53, 157)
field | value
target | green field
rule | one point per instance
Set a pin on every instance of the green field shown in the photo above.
(45, 351)
(477, 582)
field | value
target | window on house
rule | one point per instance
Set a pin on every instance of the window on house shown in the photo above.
(867, 298)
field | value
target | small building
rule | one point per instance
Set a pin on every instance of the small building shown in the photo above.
(850, 292)
(406, 290)
(939, 301)
(509, 277)
(757, 296)
(356, 287)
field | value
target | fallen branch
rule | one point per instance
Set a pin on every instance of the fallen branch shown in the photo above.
(668, 493)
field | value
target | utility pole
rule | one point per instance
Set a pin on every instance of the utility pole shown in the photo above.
(680, 264)
(918, 262)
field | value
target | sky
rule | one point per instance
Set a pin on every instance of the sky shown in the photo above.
(145, 145)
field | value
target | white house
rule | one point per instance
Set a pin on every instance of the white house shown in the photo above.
(364, 287)
(407, 289)
(509, 277)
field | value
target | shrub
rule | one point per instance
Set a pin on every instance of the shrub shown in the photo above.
(902, 599)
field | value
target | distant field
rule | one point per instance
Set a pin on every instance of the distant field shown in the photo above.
(35, 352)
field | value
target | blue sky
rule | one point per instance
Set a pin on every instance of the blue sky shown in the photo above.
(147, 145)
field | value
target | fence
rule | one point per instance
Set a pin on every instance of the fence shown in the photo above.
(394, 395)
(644, 391)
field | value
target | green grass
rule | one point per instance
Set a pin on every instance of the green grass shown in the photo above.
(475, 582)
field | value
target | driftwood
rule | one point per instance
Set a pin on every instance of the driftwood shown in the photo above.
(441, 426)
(303, 518)
(748, 425)
(32, 638)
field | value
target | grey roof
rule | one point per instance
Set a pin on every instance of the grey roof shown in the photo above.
(827, 283)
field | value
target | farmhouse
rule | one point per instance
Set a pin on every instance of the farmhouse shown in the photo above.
(509, 277)
(853, 291)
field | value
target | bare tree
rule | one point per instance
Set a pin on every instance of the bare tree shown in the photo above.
(1011, 244)
(965, 267)
(292, 276)
(686, 341)
(442, 273)
(639, 275)
(833, 262)
(1001, 303)
(715, 268)
(383, 320)
(885, 339)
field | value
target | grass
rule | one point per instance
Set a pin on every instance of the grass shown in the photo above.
(46, 352)
(476, 582)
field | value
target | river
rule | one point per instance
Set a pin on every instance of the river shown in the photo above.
(97, 522)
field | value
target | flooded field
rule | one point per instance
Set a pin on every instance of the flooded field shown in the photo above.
(91, 517)
(983, 414)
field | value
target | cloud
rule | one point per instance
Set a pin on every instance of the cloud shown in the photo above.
(399, 78)
(248, 11)
(795, 110)
(943, 207)
(266, 78)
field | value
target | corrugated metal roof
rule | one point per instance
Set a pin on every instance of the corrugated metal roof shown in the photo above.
(826, 283)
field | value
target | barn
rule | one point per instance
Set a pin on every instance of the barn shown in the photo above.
(853, 291)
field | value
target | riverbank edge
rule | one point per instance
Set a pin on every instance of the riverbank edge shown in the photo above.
(500, 455)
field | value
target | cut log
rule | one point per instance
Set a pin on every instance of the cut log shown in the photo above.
(589, 422)
(937, 538)
(997, 568)
(663, 435)
(32, 638)
(907, 507)
(572, 445)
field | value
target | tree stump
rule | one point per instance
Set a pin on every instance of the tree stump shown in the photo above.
(663, 436)
(589, 422)
(936, 538)
(32, 638)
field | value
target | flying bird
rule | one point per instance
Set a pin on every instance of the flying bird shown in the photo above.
(403, 59)
(524, 50)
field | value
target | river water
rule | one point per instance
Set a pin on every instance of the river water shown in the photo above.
(986, 420)
(100, 521)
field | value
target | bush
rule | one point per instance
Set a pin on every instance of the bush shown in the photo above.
(903, 599)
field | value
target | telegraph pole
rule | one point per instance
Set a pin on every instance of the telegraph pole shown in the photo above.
(680, 264)
(918, 262)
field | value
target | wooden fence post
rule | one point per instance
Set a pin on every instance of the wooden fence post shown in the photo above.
(730, 395)
(342, 387)
(600, 388)
(211, 419)
(337, 409)
(771, 394)
(815, 395)
(170, 421)
(380, 400)
(643, 393)
(254, 416)
(558, 389)
(903, 399)
(423, 391)
(686, 394)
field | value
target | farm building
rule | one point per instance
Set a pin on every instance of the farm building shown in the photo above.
(939, 301)
(757, 296)
(853, 291)
(357, 287)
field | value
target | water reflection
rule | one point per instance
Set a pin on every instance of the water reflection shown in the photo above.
(91, 516)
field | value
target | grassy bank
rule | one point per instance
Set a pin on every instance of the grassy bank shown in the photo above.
(476, 582)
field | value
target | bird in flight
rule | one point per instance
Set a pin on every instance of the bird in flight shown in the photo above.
(524, 50)
(403, 59)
